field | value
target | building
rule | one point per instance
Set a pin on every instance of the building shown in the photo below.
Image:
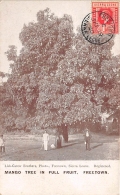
(113, 122)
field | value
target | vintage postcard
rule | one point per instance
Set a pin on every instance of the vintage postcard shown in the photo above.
(59, 97)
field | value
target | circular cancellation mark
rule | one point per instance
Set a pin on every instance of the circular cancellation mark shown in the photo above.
(98, 27)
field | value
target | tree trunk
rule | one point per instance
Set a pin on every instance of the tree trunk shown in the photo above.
(63, 130)
(65, 133)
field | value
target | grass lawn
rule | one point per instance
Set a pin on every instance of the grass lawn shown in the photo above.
(102, 148)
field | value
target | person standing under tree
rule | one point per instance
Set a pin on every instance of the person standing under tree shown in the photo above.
(2, 144)
(87, 139)
(45, 140)
(58, 141)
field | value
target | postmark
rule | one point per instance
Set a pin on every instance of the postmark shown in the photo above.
(98, 27)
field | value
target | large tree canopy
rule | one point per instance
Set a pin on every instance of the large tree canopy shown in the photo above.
(59, 78)
(81, 85)
(44, 45)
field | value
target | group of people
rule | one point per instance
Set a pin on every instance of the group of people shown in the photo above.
(58, 140)
(57, 144)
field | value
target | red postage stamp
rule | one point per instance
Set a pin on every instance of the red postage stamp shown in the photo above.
(105, 17)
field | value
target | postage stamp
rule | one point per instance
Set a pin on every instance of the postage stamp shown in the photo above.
(105, 13)
(99, 26)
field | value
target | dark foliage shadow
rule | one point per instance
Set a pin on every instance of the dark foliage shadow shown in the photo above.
(97, 146)
(71, 144)
(73, 141)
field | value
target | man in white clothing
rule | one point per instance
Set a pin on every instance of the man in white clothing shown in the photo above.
(45, 140)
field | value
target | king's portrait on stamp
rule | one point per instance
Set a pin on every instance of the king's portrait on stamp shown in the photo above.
(60, 76)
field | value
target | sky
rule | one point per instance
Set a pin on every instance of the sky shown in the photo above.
(14, 14)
